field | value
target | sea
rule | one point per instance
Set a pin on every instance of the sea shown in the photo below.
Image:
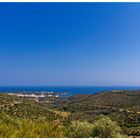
(70, 90)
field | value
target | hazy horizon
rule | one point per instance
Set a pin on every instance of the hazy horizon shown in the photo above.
(69, 44)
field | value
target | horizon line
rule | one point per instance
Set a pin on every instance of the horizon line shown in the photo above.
(69, 85)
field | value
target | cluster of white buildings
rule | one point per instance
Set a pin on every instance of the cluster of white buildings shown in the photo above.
(28, 95)
(34, 95)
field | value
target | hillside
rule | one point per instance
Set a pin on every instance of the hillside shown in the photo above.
(123, 107)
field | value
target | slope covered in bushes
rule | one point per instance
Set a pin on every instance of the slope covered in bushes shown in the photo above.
(106, 114)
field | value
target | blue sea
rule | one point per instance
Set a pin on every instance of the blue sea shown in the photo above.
(72, 90)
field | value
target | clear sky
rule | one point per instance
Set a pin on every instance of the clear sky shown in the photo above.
(43, 44)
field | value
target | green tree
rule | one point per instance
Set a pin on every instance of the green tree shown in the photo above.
(79, 129)
(104, 127)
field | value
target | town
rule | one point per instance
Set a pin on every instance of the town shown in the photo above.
(37, 95)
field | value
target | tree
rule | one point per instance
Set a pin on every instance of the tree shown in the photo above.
(79, 129)
(104, 127)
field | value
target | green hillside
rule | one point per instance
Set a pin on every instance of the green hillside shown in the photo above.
(72, 116)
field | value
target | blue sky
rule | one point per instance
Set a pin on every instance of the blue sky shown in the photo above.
(91, 44)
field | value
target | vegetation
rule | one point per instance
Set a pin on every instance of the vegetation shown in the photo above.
(104, 127)
(105, 115)
(24, 128)
(79, 129)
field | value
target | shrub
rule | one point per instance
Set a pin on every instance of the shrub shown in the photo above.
(104, 127)
(8, 125)
(6, 131)
(79, 129)
(30, 129)
(11, 127)
(133, 131)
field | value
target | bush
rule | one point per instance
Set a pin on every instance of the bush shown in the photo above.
(11, 127)
(133, 131)
(30, 129)
(104, 127)
(79, 129)
(6, 131)
(8, 125)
